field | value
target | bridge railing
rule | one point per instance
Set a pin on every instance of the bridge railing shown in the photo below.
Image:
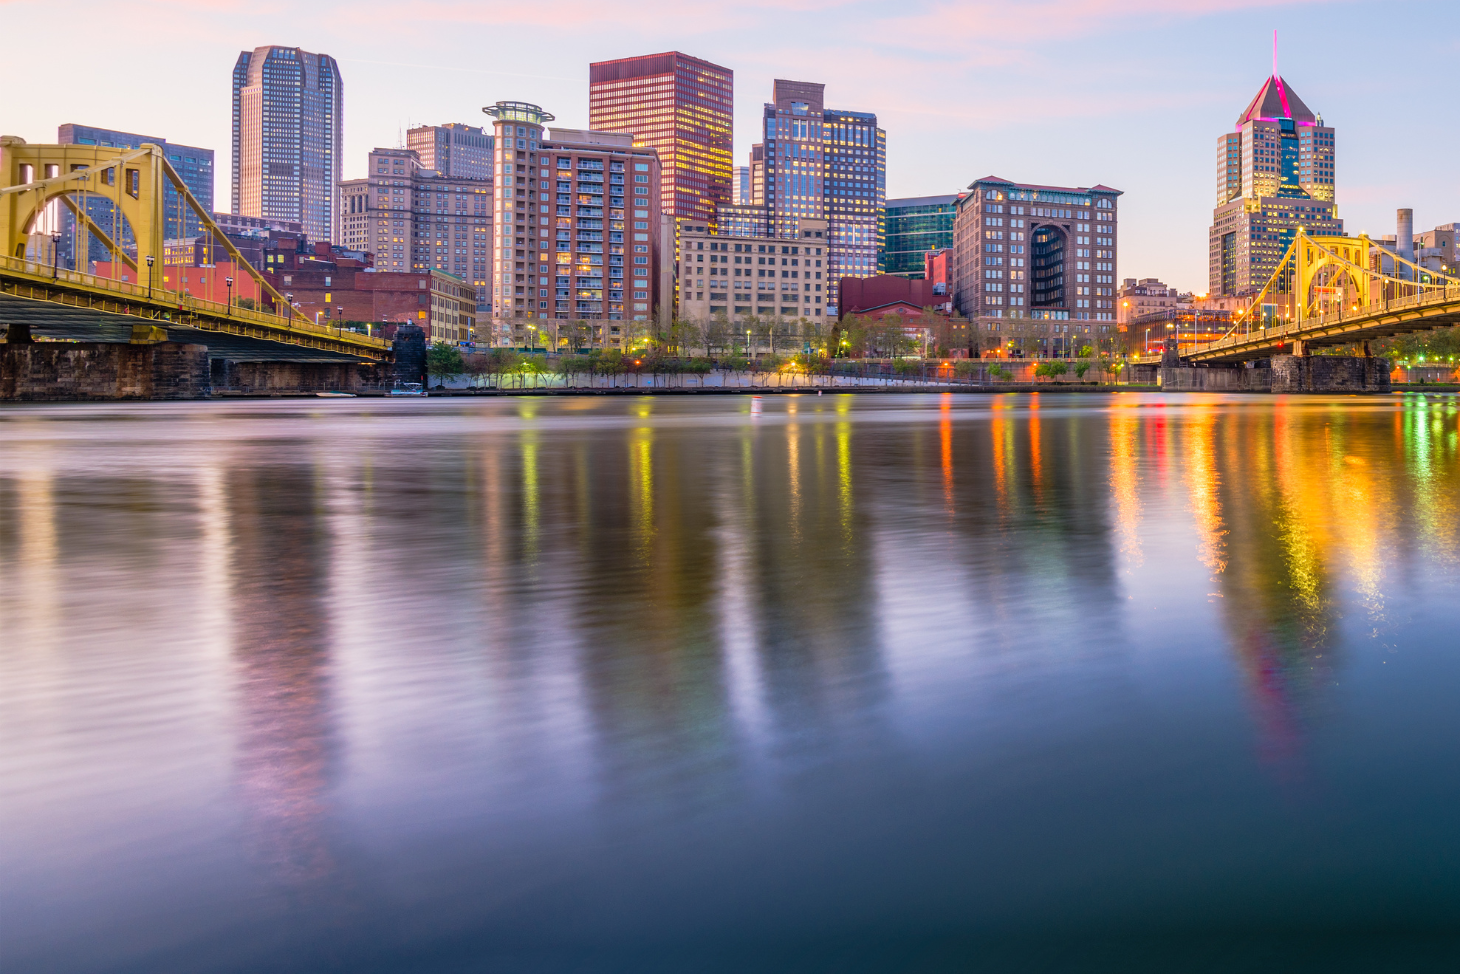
(1266, 331)
(158, 296)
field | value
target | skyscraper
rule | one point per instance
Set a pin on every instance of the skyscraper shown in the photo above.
(680, 106)
(453, 150)
(287, 137)
(856, 191)
(821, 163)
(1275, 172)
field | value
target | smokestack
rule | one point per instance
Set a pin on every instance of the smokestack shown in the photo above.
(1404, 240)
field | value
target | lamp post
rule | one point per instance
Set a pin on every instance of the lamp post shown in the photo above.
(289, 308)
(229, 282)
(149, 276)
(1146, 346)
(55, 255)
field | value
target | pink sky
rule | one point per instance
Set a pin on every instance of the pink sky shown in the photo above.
(1071, 92)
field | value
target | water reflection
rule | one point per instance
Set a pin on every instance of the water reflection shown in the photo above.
(279, 582)
(513, 624)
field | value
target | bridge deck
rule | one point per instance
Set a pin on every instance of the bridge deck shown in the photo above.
(58, 321)
(1437, 309)
(113, 307)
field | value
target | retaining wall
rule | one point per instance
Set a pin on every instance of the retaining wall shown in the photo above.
(261, 378)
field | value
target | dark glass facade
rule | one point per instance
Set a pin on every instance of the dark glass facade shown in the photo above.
(914, 227)
(194, 166)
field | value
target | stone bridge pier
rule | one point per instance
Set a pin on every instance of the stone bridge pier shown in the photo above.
(1297, 373)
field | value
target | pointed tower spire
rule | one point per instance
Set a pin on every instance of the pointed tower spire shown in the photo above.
(1274, 54)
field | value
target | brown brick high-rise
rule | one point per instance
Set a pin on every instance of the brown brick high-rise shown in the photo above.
(683, 108)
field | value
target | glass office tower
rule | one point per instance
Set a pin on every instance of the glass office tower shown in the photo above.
(913, 227)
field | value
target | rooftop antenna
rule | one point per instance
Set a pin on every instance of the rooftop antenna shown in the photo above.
(1274, 54)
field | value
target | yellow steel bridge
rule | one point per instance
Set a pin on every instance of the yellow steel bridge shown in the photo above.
(1335, 291)
(47, 300)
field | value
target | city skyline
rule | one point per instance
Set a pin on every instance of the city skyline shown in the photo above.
(1004, 91)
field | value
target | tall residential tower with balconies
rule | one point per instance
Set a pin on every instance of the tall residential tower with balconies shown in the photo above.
(575, 227)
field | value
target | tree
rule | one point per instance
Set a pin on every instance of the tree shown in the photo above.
(856, 335)
(444, 361)
(713, 334)
(684, 336)
(936, 328)
(1051, 369)
(248, 304)
(533, 366)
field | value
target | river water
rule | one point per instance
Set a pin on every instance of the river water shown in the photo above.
(840, 682)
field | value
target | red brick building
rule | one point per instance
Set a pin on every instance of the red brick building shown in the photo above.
(209, 283)
(886, 294)
(336, 288)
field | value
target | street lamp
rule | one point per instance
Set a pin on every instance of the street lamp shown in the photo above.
(149, 276)
(55, 255)
(289, 308)
(229, 282)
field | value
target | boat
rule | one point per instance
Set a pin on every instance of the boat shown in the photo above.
(335, 395)
(408, 389)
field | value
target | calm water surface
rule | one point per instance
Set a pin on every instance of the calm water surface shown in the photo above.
(852, 683)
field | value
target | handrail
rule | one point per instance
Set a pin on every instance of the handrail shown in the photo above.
(162, 296)
(1432, 296)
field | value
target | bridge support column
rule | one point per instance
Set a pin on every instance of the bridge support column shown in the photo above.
(18, 335)
(92, 371)
(1329, 373)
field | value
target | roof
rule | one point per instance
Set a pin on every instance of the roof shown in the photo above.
(1098, 188)
(948, 200)
(887, 307)
(1276, 99)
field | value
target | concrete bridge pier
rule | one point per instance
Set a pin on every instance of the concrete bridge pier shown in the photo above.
(1330, 373)
(1283, 374)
